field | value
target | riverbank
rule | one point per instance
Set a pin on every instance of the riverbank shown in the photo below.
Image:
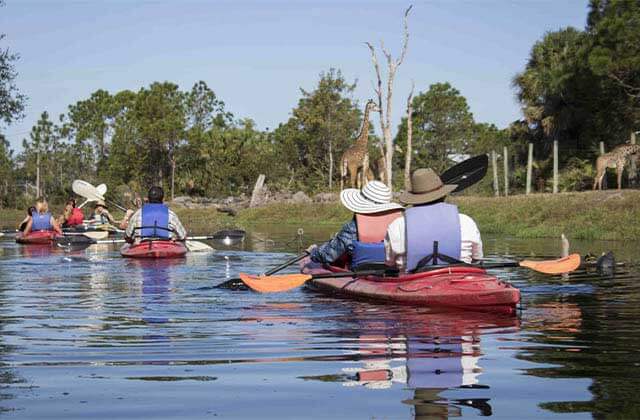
(608, 215)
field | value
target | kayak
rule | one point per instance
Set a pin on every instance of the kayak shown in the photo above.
(154, 249)
(38, 237)
(468, 288)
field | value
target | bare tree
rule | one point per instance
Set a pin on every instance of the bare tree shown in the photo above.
(408, 155)
(385, 109)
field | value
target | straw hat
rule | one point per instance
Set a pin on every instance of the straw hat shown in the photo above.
(101, 203)
(375, 197)
(426, 186)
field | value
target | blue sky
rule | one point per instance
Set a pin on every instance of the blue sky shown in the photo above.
(257, 54)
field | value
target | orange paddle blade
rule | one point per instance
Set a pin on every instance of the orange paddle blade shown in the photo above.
(272, 284)
(559, 266)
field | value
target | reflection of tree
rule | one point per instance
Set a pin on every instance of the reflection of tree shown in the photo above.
(593, 337)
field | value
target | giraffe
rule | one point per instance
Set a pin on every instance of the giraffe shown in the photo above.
(356, 158)
(616, 158)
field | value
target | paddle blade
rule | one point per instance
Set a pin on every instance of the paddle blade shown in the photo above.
(101, 189)
(273, 284)
(466, 173)
(86, 190)
(75, 241)
(196, 246)
(559, 266)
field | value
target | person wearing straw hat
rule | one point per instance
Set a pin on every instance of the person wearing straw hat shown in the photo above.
(361, 239)
(431, 231)
(101, 214)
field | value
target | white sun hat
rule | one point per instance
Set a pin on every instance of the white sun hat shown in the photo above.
(375, 197)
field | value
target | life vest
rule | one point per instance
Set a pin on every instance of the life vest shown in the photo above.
(41, 221)
(426, 225)
(76, 218)
(155, 221)
(372, 228)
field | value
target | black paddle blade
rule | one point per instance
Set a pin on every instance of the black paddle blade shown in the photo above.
(75, 241)
(466, 173)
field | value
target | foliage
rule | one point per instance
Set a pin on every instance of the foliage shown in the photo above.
(442, 126)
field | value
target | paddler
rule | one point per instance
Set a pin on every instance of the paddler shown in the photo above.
(361, 239)
(101, 214)
(72, 215)
(23, 225)
(42, 219)
(155, 220)
(431, 228)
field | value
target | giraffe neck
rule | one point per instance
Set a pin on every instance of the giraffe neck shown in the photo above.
(363, 136)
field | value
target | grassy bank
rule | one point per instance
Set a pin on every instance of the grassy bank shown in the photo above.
(608, 215)
(605, 215)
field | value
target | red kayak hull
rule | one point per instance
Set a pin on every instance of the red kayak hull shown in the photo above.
(38, 237)
(154, 249)
(468, 288)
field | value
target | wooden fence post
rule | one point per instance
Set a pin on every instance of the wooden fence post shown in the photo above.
(529, 169)
(494, 164)
(505, 155)
(555, 166)
(604, 180)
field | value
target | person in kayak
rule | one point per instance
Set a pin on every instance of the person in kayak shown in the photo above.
(23, 224)
(101, 215)
(431, 229)
(72, 215)
(42, 219)
(155, 220)
(361, 239)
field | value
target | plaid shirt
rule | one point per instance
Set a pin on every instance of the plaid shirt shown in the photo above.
(178, 231)
(337, 246)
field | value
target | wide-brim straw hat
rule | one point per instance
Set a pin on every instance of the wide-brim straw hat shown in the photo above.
(375, 197)
(426, 186)
(101, 203)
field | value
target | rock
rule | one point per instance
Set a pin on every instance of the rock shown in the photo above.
(300, 197)
(326, 197)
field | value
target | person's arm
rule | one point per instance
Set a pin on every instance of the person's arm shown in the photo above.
(394, 243)
(470, 233)
(56, 226)
(337, 246)
(125, 220)
(133, 222)
(176, 225)
(27, 229)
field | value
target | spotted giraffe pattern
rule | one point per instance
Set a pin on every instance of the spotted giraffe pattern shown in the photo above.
(355, 160)
(616, 158)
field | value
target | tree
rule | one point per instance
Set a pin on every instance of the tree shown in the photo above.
(385, 107)
(442, 127)
(11, 100)
(38, 155)
(321, 127)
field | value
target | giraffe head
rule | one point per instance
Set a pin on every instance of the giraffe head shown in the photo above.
(371, 106)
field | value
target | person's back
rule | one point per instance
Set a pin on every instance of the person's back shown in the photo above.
(42, 219)
(155, 220)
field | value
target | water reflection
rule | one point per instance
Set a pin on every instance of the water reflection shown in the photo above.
(427, 352)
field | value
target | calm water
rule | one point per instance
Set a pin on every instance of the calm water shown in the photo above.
(90, 335)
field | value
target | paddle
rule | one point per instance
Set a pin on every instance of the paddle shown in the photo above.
(466, 173)
(91, 193)
(282, 283)
(237, 282)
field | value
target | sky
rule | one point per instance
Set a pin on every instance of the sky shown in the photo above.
(256, 55)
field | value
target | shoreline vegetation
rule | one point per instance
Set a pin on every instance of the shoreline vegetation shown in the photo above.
(606, 215)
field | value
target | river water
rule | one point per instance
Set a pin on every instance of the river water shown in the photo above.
(87, 334)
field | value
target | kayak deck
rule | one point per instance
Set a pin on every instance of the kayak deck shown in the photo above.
(458, 287)
(154, 249)
(38, 237)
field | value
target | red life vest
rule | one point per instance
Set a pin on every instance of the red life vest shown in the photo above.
(76, 218)
(372, 228)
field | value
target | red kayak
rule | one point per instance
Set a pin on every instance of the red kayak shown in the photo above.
(468, 288)
(154, 249)
(38, 237)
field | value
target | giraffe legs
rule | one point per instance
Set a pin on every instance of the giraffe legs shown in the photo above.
(619, 170)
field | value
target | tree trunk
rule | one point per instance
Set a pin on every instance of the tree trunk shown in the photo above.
(38, 174)
(330, 165)
(173, 178)
(409, 152)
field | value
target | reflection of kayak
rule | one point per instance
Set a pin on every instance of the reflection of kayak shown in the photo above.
(154, 249)
(38, 237)
(460, 287)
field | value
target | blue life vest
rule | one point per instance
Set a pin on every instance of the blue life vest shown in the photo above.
(41, 221)
(428, 224)
(155, 221)
(369, 248)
